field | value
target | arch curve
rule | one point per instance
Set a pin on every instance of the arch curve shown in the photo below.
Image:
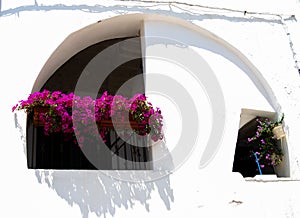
(130, 25)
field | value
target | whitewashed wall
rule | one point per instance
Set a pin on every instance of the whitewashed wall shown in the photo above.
(269, 38)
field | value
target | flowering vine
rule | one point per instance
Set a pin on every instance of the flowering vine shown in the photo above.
(267, 151)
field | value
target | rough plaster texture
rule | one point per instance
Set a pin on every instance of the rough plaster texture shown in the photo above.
(267, 34)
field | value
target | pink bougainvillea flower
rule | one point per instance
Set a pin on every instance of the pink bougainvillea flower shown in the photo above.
(68, 113)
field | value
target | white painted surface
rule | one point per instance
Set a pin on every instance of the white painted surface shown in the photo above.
(29, 35)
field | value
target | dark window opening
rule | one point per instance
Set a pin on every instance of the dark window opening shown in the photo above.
(54, 152)
(66, 77)
(244, 161)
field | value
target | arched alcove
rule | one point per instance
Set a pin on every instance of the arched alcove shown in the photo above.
(246, 163)
(133, 25)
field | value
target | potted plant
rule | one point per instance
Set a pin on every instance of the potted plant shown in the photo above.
(68, 113)
(266, 149)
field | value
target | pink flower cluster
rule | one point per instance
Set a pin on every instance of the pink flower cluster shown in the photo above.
(72, 114)
(268, 151)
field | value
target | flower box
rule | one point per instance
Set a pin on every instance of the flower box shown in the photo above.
(278, 132)
(37, 111)
(59, 112)
(110, 124)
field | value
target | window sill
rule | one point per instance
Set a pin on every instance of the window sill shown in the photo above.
(269, 178)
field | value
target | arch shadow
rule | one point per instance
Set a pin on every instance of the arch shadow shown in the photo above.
(95, 192)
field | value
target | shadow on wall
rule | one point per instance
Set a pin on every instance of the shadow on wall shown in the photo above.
(21, 131)
(95, 192)
(125, 9)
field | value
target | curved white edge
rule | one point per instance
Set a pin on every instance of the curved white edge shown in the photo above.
(130, 25)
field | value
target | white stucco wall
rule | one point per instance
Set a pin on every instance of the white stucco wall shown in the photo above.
(267, 35)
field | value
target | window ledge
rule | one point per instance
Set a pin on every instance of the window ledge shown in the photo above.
(270, 178)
